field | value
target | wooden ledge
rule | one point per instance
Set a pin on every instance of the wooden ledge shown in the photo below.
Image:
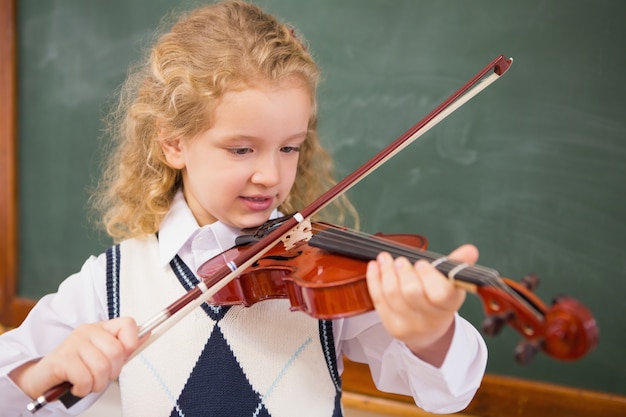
(387, 407)
(498, 396)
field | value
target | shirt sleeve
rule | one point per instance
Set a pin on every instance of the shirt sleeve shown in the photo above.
(81, 298)
(395, 369)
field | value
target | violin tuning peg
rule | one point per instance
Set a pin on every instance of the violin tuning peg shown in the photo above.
(526, 351)
(559, 299)
(492, 325)
(530, 281)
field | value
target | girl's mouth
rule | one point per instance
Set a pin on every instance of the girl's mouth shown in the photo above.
(257, 203)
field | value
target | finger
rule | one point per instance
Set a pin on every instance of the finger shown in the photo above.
(126, 331)
(377, 282)
(114, 353)
(103, 355)
(98, 366)
(79, 375)
(465, 253)
(373, 278)
(411, 286)
(389, 279)
(73, 359)
(438, 289)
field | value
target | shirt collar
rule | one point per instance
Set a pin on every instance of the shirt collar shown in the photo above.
(176, 229)
(180, 229)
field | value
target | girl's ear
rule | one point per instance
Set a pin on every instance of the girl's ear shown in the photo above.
(173, 152)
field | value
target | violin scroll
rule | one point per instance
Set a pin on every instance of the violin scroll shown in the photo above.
(570, 329)
(566, 330)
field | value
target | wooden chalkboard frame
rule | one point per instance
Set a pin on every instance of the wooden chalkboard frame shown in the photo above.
(491, 400)
(13, 309)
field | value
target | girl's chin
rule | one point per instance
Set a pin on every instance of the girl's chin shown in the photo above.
(250, 221)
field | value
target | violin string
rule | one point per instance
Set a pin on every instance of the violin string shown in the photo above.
(373, 244)
(363, 241)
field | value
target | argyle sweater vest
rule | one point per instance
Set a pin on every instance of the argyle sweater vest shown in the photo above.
(230, 361)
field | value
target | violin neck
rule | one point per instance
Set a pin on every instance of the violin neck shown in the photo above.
(366, 247)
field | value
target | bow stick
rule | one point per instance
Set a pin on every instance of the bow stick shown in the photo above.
(175, 312)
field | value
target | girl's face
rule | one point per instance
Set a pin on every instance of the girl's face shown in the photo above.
(244, 166)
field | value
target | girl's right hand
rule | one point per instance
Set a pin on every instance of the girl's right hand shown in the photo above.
(91, 357)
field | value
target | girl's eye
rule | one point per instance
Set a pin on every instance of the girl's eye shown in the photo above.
(288, 149)
(240, 151)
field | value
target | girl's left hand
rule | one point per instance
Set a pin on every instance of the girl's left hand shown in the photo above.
(417, 303)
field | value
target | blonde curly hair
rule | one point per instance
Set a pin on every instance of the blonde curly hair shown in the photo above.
(211, 50)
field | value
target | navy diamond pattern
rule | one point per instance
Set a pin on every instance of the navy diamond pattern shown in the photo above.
(218, 369)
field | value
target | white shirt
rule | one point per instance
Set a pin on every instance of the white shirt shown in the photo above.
(82, 298)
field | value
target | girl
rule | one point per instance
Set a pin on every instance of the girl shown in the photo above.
(217, 133)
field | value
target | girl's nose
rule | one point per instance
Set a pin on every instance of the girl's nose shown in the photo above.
(267, 172)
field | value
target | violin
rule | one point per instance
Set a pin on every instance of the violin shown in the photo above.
(320, 268)
(566, 330)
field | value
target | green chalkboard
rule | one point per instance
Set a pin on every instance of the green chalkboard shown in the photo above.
(533, 170)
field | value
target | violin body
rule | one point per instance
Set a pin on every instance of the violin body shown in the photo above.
(320, 283)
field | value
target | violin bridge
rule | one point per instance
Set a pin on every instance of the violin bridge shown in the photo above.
(302, 232)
